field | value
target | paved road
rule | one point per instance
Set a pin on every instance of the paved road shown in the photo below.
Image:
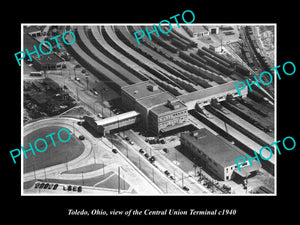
(95, 149)
(163, 162)
(160, 179)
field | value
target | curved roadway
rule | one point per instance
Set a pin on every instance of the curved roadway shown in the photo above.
(133, 176)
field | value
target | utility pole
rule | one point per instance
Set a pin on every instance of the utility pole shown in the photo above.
(95, 156)
(67, 163)
(139, 162)
(118, 180)
(152, 175)
(174, 176)
(45, 174)
(77, 93)
(74, 72)
(34, 173)
(102, 93)
(74, 127)
(103, 168)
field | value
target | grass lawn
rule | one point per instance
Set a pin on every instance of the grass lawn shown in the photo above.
(86, 181)
(112, 183)
(61, 153)
(84, 169)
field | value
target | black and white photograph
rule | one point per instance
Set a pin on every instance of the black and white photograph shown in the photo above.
(151, 110)
(125, 113)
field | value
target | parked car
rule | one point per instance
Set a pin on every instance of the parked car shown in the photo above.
(79, 189)
(74, 188)
(55, 186)
(152, 159)
(152, 141)
(79, 123)
(167, 172)
(36, 185)
(65, 187)
(131, 142)
(146, 155)
(114, 150)
(42, 185)
(141, 151)
(70, 188)
(81, 137)
(127, 138)
(166, 150)
(46, 186)
(162, 141)
(172, 178)
(185, 188)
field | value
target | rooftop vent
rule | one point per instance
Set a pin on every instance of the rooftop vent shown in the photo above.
(153, 87)
(172, 104)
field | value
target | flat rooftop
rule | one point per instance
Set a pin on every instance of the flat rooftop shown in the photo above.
(141, 90)
(208, 92)
(157, 99)
(29, 42)
(198, 29)
(214, 147)
(165, 108)
(116, 118)
(30, 29)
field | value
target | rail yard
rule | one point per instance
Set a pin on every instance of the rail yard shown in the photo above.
(145, 108)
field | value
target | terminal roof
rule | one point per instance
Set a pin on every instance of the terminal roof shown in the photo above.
(208, 92)
(142, 89)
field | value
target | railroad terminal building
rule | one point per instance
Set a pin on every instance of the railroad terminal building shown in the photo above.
(160, 111)
(216, 155)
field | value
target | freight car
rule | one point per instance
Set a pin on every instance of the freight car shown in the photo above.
(219, 66)
(165, 45)
(218, 56)
(179, 44)
(187, 29)
(192, 43)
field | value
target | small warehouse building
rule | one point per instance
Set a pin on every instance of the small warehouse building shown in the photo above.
(216, 155)
(216, 46)
(199, 31)
(33, 31)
